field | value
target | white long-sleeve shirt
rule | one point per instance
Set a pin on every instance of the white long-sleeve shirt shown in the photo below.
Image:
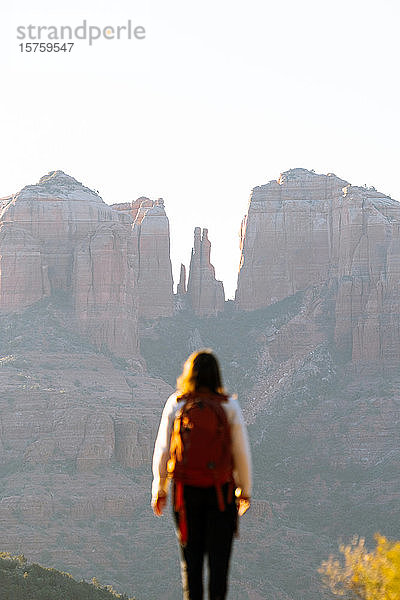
(242, 472)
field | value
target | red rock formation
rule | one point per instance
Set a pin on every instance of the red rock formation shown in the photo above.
(104, 289)
(205, 293)
(366, 229)
(307, 229)
(59, 212)
(285, 237)
(155, 284)
(24, 274)
(151, 234)
(130, 208)
(181, 288)
(64, 414)
(59, 235)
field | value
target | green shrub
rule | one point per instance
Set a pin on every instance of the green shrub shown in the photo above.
(20, 581)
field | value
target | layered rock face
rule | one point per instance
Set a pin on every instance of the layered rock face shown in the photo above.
(154, 269)
(366, 243)
(307, 229)
(130, 208)
(58, 212)
(74, 426)
(113, 262)
(105, 289)
(155, 284)
(205, 293)
(59, 236)
(24, 272)
(285, 237)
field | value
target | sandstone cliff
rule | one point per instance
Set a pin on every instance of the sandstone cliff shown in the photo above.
(58, 212)
(205, 293)
(130, 208)
(24, 271)
(366, 243)
(154, 269)
(105, 289)
(155, 284)
(286, 237)
(307, 229)
(58, 236)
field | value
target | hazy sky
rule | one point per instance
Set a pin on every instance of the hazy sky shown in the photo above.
(221, 96)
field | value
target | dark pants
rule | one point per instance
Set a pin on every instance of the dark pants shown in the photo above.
(210, 532)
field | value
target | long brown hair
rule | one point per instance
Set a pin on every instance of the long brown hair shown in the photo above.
(201, 370)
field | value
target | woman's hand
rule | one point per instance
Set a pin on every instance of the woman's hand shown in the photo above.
(244, 505)
(158, 504)
(243, 502)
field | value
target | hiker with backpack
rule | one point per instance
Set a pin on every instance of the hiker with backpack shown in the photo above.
(202, 446)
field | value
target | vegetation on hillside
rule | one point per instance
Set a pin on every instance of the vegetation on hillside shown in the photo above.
(365, 575)
(20, 581)
(234, 335)
(42, 327)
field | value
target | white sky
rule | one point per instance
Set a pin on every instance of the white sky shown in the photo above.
(221, 96)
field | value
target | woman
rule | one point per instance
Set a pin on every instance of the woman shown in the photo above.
(206, 514)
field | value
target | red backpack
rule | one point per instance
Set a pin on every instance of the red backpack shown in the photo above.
(200, 449)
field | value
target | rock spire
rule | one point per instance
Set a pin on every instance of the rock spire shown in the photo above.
(181, 289)
(205, 293)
